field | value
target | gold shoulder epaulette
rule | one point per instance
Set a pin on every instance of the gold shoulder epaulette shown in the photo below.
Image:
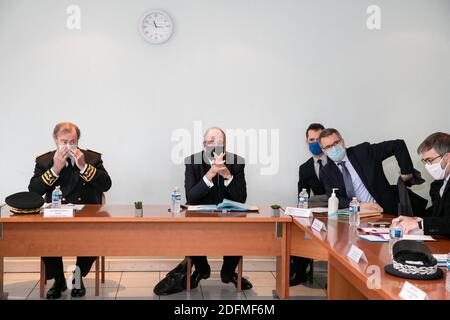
(42, 154)
(94, 151)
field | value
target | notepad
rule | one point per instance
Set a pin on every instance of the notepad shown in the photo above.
(386, 237)
(225, 205)
(364, 213)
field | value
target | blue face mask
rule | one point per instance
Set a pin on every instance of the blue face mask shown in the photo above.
(337, 153)
(314, 148)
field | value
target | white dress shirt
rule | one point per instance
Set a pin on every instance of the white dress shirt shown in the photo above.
(67, 163)
(361, 192)
(210, 184)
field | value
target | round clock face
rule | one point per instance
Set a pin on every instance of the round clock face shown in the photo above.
(156, 26)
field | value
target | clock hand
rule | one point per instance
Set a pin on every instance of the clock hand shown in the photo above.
(155, 24)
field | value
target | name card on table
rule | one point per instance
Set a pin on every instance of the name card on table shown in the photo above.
(58, 213)
(411, 292)
(356, 254)
(318, 225)
(298, 212)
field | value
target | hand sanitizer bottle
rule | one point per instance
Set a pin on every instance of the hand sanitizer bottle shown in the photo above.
(333, 205)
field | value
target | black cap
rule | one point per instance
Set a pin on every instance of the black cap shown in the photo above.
(25, 202)
(413, 260)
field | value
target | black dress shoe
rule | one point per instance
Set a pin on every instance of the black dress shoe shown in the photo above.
(55, 291)
(197, 276)
(77, 293)
(245, 284)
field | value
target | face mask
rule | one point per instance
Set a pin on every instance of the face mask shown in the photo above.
(209, 151)
(337, 153)
(314, 148)
(69, 147)
(436, 171)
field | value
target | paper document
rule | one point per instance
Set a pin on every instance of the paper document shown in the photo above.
(226, 205)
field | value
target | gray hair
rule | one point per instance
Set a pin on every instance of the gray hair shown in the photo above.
(438, 141)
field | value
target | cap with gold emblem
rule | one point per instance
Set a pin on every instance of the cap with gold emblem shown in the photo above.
(25, 202)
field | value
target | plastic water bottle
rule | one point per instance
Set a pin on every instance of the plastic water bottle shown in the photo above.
(176, 201)
(56, 197)
(395, 234)
(353, 216)
(303, 198)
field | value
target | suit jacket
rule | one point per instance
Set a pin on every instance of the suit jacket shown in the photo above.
(76, 188)
(439, 222)
(367, 160)
(308, 179)
(197, 192)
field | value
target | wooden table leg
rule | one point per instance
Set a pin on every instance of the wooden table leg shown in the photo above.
(103, 269)
(239, 284)
(43, 279)
(97, 277)
(282, 290)
(3, 295)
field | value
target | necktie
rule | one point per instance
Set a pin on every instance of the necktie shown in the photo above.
(319, 162)
(347, 180)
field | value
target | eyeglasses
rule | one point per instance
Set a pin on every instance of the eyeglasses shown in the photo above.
(430, 160)
(332, 145)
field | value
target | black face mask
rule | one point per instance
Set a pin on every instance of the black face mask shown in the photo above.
(209, 151)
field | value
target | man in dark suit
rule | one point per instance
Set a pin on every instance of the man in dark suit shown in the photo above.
(82, 179)
(211, 176)
(309, 179)
(358, 171)
(434, 152)
(308, 173)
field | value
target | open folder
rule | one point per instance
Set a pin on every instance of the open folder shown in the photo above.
(226, 204)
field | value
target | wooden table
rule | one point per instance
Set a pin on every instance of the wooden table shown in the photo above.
(348, 280)
(113, 230)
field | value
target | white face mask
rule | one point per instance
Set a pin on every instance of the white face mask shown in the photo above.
(69, 147)
(436, 171)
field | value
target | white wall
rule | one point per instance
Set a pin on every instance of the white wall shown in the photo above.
(245, 64)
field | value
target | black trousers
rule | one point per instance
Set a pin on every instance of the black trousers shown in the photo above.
(298, 266)
(228, 267)
(54, 268)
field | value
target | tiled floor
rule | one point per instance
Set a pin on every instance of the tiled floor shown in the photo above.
(139, 286)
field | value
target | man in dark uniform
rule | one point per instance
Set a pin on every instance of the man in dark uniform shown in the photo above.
(211, 176)
(82, 179)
